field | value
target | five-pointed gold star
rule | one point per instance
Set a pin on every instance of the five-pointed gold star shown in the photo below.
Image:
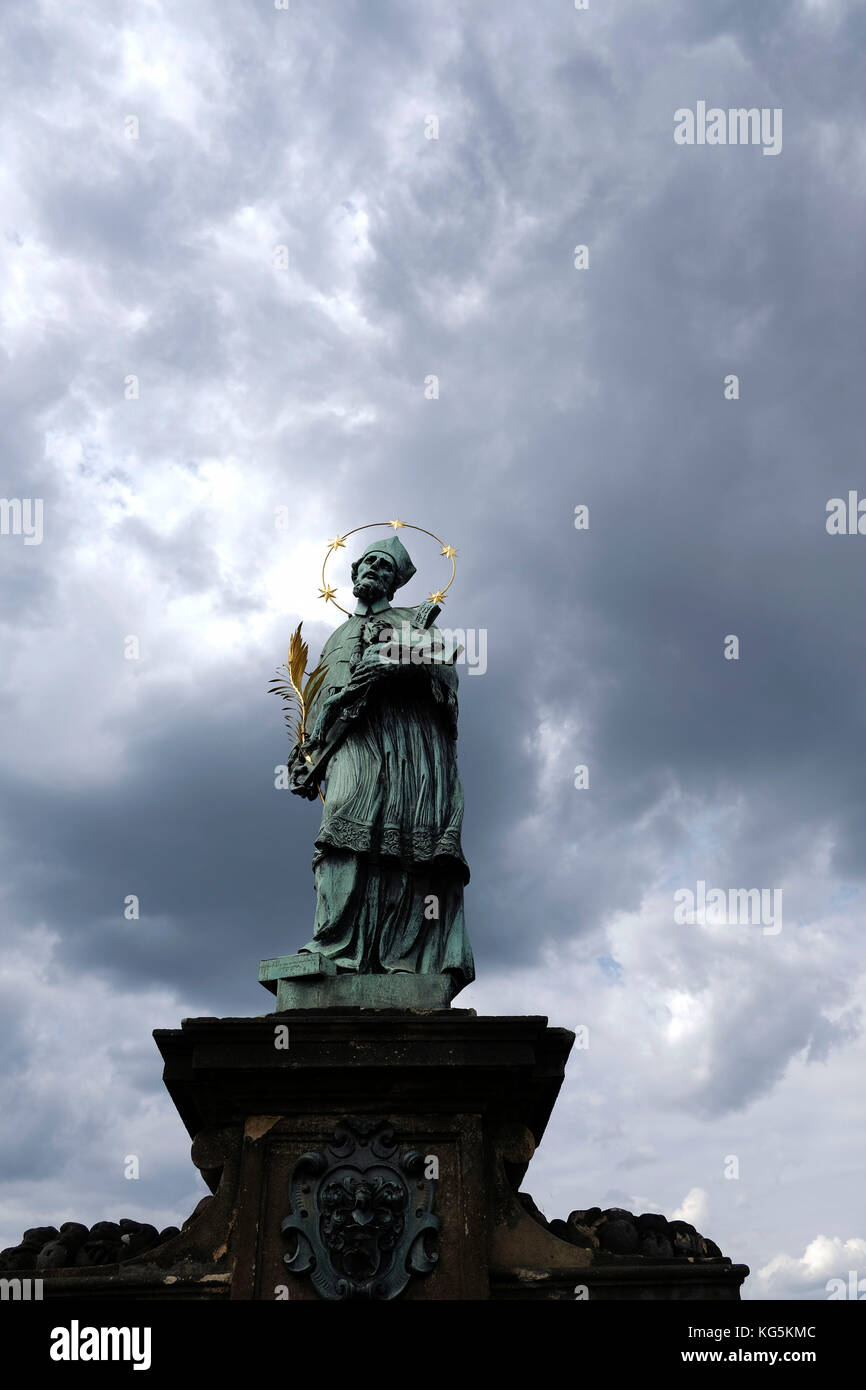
(449, 551)
(337, 542)
(396, 523)
(327, 593)
(438, 597)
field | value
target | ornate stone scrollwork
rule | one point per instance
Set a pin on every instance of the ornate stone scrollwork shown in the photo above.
(361, 1214)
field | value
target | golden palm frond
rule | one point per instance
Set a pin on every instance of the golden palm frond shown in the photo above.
(297, 662)
(289, 683)
(314, 685)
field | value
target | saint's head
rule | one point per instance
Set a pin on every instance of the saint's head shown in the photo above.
(382, 569)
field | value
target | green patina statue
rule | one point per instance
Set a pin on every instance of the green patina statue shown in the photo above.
(389, 866)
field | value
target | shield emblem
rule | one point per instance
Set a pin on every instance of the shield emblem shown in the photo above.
(362, 1217)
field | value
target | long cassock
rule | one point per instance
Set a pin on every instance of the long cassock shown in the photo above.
(388, 865)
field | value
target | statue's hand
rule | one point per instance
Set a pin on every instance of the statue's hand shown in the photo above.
(298, 768)
(309, 790)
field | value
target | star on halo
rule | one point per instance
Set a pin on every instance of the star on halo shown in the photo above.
(327, 593)
(438, 597)
(449, 551)
(396, 523)
(337, 542)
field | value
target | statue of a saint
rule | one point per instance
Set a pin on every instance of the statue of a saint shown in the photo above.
(388, 865)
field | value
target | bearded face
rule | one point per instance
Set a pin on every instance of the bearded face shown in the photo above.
(375, 576)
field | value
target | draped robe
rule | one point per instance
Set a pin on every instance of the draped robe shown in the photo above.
(388, 865)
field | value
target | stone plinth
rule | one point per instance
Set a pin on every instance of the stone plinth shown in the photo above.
(311, 981)
(328, 1134)
(275, 1088)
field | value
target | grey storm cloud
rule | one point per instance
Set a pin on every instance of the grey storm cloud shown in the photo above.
(279, 260)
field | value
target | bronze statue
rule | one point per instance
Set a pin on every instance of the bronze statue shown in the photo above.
(389, 866)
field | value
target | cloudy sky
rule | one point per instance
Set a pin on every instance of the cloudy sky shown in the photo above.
(233, 258)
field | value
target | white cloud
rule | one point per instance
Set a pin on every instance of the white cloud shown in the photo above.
(825, 1258)
(695, 1208)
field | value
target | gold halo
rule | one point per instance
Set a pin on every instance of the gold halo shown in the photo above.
(327, 593)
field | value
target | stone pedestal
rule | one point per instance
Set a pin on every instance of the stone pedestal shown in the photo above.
(258, 1094)
(305, 1122)
(377, 1154)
